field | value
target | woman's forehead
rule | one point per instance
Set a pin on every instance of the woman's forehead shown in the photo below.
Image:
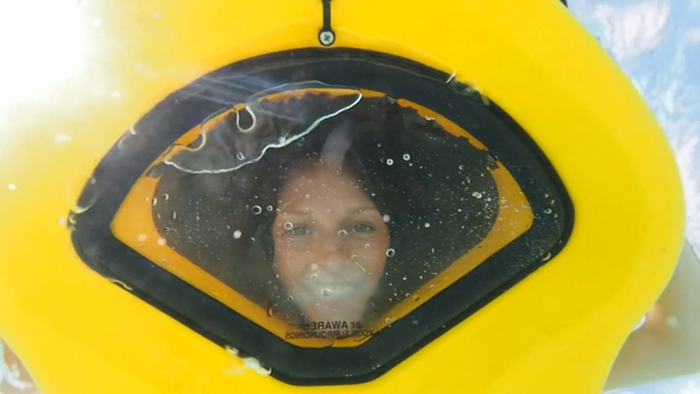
(319, 180)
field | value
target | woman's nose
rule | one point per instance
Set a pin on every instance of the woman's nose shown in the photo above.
(330, 254)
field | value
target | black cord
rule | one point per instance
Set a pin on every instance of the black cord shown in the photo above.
(326, 36)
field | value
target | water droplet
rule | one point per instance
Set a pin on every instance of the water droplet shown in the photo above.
(427, 225)
(406, 157)
(161, 241)
(288, 226)
(142, 237)
(673, 322)
(255, 365)
(270, 208)
(326, 292)
(237, 234)
(389, 162)
(386, 218)
(390, 252)
(240, 156)
(257, 210)
(416, 298)
(12, 186)
(269, 311)
(476, 194)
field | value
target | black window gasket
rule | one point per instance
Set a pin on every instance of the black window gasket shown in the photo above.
(397, 77)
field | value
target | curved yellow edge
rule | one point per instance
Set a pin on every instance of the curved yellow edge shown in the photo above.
(556, 331)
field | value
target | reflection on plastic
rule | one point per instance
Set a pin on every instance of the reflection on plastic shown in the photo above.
(240, 136)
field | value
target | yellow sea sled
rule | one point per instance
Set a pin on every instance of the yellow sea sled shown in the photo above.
(518, 318)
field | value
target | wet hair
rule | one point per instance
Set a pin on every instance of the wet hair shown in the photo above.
(436, 188)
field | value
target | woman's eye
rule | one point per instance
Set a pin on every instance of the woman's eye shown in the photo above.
(296, 231)
(362, 228)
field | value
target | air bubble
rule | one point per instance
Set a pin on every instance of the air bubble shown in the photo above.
(288, 226)
(386, 218)
(237, 234)
(387, 320)
(314, 267)
(427, 225)
(161, 241)
(326, 292)
(155, 201)
(389, 162)
(673, 322)
(342, 233)
(174, 214)
(306, 196)
(406, 157)
(257, 210)
(142, 237)
(390, 252)
(240, 156)
(476, 195)
(416, 298)
(290, 298)
(547, 211)
(270, 208)
(166, 196)
(12, 186)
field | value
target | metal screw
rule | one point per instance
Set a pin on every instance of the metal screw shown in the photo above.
(326, 37)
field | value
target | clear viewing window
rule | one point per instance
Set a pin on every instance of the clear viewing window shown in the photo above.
(324, 214)
(329, 226)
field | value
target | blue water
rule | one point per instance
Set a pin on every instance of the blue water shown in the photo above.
(657, 44)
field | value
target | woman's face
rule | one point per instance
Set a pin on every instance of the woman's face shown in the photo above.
(330, 244)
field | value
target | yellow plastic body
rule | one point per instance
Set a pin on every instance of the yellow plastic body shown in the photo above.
(558, 330)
